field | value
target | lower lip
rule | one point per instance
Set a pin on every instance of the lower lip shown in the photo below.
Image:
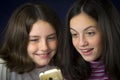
(43, 55)
(87, 53)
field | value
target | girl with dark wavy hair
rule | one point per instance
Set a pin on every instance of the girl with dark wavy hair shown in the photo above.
(91, 41)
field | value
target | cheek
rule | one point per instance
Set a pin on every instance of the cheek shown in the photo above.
(97, 41)
(74, 41)
(98, 45)
(31, 48)
(53, 45)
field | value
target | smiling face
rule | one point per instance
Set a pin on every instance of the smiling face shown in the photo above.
(86, 37)
(42, 43)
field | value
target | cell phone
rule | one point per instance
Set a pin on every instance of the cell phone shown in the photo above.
(52, 74)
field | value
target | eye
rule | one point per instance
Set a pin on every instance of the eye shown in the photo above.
(51, 38)
(74, 35)
(34, 40)
(91, 33)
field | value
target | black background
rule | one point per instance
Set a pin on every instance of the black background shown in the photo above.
(60, 6)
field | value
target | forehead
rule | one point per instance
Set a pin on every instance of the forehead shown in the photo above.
(41, 28)
(82, 20)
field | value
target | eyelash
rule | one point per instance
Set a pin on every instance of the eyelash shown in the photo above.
(74, 35)
(87, 33)
(90, 33)
(33, 39)
(51, 38)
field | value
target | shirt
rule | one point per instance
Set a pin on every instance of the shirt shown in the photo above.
(6, 74)
(98, 71)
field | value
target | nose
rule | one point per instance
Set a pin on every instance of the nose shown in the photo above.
(82, 41)
(43, 45)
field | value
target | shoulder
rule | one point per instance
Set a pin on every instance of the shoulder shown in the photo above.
(2, 64)
(1, 61)
(3, 70)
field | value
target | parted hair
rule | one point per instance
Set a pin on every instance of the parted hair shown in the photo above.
(108, 19)
(16, 35)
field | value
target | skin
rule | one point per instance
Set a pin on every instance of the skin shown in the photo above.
(42, 43)
(86, 37)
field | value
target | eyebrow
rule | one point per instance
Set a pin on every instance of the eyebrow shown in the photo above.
(72, 29)
(52, 34)
(47, 35)
(85, 28)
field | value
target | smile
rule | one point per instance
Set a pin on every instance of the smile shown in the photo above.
(86, 51)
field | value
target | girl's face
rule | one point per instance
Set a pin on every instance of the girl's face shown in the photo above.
(86, 37)
(42, 43)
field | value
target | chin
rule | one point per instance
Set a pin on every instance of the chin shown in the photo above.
(88, 60)
(42, 64)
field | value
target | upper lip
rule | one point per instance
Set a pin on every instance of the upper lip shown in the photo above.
(86, 49)
(41, 53)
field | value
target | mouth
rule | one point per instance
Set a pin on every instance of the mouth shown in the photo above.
(86, 51)
(43, 55)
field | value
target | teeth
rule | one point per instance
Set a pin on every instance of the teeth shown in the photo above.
(41, 53)
(85, 50)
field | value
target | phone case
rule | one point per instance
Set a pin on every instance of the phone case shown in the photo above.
(52, 74)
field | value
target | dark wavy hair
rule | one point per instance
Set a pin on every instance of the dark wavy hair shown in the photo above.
(108, 19)
(15, 40)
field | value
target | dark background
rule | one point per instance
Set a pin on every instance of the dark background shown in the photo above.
(60, 6)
